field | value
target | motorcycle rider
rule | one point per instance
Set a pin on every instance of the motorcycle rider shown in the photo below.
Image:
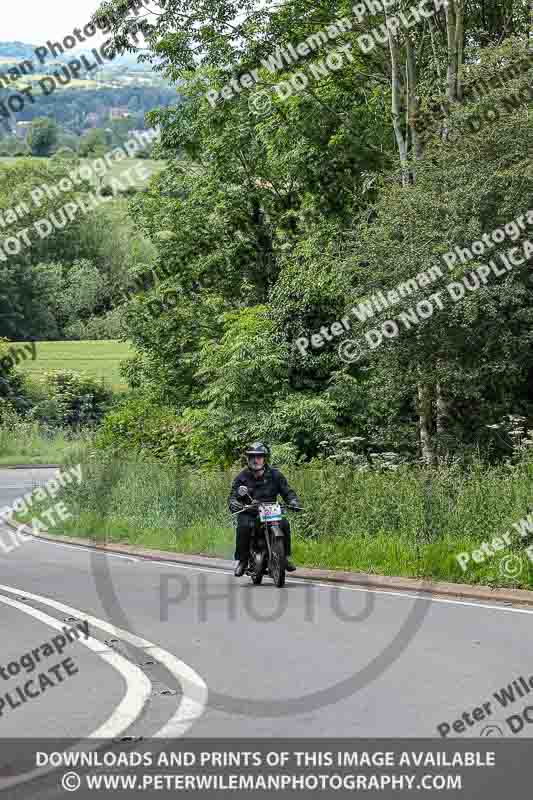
(264, 484)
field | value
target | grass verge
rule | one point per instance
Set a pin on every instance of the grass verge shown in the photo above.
(407, 523)
(28, 444)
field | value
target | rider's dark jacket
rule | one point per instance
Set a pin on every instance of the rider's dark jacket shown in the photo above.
(264, 489)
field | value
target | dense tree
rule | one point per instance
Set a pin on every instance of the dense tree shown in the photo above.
(294, 192)
(348, 184)
(94, 143)
(78, 268)
(43, 137)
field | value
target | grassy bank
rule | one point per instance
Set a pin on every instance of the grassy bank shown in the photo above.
(408, 523)
(27, 443)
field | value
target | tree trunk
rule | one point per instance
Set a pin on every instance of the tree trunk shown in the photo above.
(396, 87)
(425, 416)
(442, 416)
(412, 100)
(459, 40)
(442, 411)
(455, 13)
(452, 51)
(434, 47)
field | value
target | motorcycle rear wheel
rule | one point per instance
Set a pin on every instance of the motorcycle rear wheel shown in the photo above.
(277, 562)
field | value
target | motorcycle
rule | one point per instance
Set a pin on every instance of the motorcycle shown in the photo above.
(267, 545)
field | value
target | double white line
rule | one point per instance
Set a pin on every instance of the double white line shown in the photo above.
(138, 686)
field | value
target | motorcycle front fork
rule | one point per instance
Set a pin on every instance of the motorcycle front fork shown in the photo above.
(265, 553)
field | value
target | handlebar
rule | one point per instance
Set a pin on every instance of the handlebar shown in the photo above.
(246, 508)
(254, 506)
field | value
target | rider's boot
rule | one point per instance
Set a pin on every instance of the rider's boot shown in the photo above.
(289, 566)
(240, 568)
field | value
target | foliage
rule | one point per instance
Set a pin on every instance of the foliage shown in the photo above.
(94, 143)
(138, 426)
(268, 227)
(270, 224)
(412, 525)
(78, 271)
(73, 400)
(105, 327)
(43, 136)
(13, 390)
(82, 292)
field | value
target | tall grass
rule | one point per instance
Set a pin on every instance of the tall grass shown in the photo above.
(410, 522)
(31, 443)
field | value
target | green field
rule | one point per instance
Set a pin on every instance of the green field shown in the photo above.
(116, 170)
(121, 166)
(100, 358)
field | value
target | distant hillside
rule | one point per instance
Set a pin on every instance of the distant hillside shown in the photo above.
(13, 52)
(118, 89)
(16, 50)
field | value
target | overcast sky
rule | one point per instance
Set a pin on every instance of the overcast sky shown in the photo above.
(36, 21)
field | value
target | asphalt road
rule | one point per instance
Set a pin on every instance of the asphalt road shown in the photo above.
(185, 651)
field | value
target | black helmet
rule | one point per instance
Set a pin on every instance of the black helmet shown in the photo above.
(258, 449)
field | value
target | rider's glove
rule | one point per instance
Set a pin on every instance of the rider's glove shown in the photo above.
(293, 503)
(234, 505)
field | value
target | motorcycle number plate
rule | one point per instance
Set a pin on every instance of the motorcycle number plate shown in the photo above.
(270, 512)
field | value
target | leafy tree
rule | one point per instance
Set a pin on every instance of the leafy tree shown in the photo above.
(283, 221)
(43, 137)
(93, 143)
(82, 291)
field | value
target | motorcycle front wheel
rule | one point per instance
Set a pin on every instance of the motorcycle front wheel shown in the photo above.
(277, 562)
(258, 571)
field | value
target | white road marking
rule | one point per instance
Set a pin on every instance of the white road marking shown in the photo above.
(395, 592)
(193, 687)
(138, 688)
(81, 547)
(343, 587)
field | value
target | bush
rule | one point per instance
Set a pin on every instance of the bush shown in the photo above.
(108, 326)
(13, 389)
(139, 425)
(73, 400)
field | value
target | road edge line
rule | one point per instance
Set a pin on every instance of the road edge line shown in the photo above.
(364, 579)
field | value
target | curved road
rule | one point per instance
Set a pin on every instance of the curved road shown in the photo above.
(189, 651)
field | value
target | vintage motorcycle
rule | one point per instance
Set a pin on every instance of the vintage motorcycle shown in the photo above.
(267, 545)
